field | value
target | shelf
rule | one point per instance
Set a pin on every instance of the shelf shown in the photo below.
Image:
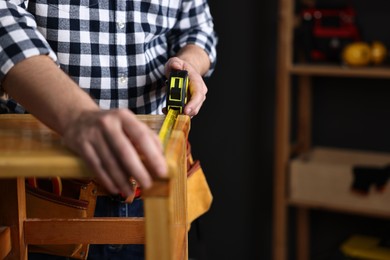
(339, 71)
(332, 207)
(336, 179)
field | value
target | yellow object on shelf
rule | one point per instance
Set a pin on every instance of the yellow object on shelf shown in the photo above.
(357, 54)
(360, 54)
(378, 52)
(365, 247)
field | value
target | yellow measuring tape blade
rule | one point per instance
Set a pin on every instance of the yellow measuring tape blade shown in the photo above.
(167, 126)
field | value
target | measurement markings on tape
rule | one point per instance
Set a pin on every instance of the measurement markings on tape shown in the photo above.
(168, 125)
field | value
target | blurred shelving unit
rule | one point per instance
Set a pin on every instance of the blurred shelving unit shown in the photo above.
(285, 149)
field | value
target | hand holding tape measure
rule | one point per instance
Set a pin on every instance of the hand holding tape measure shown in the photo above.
(177, 87)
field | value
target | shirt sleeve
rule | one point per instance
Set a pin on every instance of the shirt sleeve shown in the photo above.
(195, 26)
(19, 36)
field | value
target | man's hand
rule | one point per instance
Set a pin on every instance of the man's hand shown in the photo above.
(116, 145)
(194, 60)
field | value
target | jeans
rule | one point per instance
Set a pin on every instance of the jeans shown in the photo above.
(109, 207)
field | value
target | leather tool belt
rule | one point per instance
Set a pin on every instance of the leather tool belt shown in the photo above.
(78, 200)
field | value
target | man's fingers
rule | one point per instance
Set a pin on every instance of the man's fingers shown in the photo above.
(173, 63)
(129, 159)
(158, 143)
(117, 145)
(112, 168)
(148, 146)
(124, 158)
(95, 164)
(197, 94)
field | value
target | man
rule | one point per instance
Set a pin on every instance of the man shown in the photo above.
(85, 67)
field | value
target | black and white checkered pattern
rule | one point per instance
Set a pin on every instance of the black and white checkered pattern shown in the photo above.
(115, 50)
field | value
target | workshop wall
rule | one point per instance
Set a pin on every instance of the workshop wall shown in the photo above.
(233, 134)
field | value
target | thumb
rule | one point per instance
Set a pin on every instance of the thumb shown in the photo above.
(174, 64)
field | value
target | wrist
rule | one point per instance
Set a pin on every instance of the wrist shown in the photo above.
(196, 57)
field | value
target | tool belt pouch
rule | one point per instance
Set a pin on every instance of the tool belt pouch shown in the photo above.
(77, 201)
(199, 197)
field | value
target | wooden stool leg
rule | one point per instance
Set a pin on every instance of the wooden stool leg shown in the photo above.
(13, 214)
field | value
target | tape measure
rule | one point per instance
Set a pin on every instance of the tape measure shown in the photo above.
(177, 90)
(176, 101)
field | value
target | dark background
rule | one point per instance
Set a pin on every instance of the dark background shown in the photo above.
(233, 136)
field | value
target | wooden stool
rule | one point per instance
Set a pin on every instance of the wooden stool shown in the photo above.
(28, 148)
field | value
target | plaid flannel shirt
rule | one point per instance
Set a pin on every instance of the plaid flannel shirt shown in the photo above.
(114, 50)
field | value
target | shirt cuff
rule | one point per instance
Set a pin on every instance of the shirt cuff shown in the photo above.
(205, 40)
